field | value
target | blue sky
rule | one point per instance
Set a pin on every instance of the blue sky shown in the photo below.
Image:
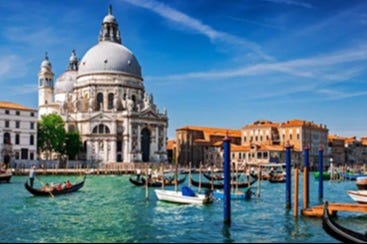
(208, 62)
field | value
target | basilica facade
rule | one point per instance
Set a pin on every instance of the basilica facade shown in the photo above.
(102, 96)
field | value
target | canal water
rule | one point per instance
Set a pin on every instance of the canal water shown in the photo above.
(109, 209)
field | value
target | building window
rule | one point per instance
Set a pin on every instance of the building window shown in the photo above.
(32, 114)
(6, 123)
(17, 124)
(24, 153)
(110, 101)
(31, 140)
(17, 113)
(31, 156)
(16, 155)
(17, 139)
(99, 101)
(6, 111)
(32, 125)
(297, 136)
(101, 129)
(7, 138)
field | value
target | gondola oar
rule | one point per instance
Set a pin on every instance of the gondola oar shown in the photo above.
(52, 195)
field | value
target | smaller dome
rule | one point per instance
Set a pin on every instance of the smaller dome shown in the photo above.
(109, 19)
(65, 82)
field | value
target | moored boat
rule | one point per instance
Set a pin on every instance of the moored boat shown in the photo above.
(358, 196)
(185, 196)
(157, 183)
(220, 185)
(361, 182)
(5, 176)
(339, 232)
(235, 195)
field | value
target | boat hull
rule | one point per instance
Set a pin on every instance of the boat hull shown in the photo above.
(358, 196)
(178, 197)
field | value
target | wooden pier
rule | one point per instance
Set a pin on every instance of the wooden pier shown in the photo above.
(317, 211)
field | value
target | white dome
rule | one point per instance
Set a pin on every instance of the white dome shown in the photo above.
(109, 19)
(112, 57)
(65, 82)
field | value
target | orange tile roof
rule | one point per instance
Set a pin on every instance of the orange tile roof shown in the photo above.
(11, 105)
(213, 131)
(171, 144)
(299, 123)
(262, 123)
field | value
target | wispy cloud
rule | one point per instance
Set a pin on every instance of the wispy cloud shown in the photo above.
(292, 2)
(196, 25)
(8, 69)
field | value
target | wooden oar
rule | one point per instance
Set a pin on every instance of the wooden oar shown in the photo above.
(52, 195)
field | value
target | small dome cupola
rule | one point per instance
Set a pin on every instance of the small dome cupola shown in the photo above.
(46, 64)
(73, 61)
(109, 30)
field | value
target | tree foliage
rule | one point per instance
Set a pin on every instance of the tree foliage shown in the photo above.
(73, 144)
(51, 133)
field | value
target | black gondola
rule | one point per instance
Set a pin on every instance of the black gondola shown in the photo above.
(5, 178)
(339, 232)
(54, 192)
(167, 182)
(218, 176)
(220, 185)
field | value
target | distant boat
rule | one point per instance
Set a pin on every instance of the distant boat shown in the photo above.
(185, 196)
(5, 176)
(235, 195)
(220, 185)
(358, 196)
(361, 182)
(325, 175)
(156, 183)
(339, 232)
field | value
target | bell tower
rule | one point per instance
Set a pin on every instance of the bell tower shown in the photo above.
(45, 85)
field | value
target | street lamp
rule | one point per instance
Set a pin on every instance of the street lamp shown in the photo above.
(331, 168)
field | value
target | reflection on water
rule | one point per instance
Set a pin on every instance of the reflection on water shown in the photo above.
(111, 209)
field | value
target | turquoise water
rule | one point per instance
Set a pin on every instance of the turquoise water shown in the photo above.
(110, 209)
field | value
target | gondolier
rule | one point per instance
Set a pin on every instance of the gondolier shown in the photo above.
(32, 174)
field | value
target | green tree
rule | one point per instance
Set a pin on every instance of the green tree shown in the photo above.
(51, 134)
(73, 144)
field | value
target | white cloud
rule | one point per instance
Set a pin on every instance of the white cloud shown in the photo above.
(196, 25)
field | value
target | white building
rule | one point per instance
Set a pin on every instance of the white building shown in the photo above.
(103, 97)
(18, 130)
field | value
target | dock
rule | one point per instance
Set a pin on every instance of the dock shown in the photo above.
(317, 211)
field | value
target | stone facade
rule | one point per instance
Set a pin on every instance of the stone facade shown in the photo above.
(103, 97)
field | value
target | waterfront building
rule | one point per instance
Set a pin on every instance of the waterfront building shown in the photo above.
(197, 144)
(256, 143)
(336, 149)
(103, 97)
(18, 130)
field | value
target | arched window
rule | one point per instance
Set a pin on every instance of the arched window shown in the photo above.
(110, 100)
(101, 129)
(31, 140)
(99, 101)
(7, 138)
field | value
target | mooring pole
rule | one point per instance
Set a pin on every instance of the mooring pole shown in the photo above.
(288, 176)
(321, 187)
(306, 178)
(227, 179)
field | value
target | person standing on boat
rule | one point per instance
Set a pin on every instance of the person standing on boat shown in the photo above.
(138, 172)
(32, 174)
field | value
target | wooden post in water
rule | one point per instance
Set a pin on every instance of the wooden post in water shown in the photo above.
(321, 187)
(288, 176)
(259, 181)
(227, 179)
(306, 178)
(146, 184)
(199, 189)
(295, 210)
